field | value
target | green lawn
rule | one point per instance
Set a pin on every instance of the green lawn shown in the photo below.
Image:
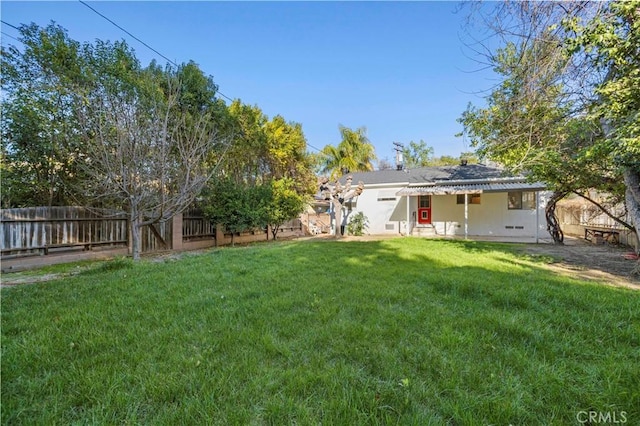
(402, 331)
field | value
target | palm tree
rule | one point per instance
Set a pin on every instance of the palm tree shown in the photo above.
(353, 154)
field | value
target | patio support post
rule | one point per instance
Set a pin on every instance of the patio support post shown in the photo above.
(407, 225)
(466, 215)
(537, 216)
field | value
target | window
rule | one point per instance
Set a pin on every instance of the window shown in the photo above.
(473, 198)
(387, 195)
(424, 201)
(529, 200)
(521, 200)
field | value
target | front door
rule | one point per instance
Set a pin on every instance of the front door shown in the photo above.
(424, 209)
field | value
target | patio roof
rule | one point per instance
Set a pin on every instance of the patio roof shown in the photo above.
(470, 188)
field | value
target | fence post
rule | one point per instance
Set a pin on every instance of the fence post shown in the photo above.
(129, 237)
(219, 235)
(176, 232)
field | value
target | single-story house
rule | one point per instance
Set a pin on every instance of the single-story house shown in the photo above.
(463, 200)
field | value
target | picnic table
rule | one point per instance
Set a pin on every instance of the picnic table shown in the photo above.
(611, 236)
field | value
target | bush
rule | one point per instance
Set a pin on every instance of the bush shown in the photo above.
(357, 224)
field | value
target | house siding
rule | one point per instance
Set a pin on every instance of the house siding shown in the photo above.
(490, 218)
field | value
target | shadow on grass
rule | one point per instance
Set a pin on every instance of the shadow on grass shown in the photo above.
(402, 331)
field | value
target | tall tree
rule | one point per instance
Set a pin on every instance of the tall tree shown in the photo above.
(611, 42)
(354, 153)
(147, 142)
(540, 118)
(246, 160)
(287, 155)
(417, 154)
(266, 157)
(40, 135)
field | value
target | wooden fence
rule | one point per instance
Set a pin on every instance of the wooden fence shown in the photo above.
(48, 230)
(575, 215)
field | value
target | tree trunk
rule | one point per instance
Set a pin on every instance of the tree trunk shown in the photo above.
(632, 198)
(339, 225)
(552, 220)
(274, 231)
(136, 234)
(338, 221)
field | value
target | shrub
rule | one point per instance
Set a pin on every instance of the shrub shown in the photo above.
(357, 224)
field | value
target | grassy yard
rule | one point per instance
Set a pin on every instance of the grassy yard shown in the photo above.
(402, 331)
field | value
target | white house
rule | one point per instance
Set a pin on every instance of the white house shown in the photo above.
(464, 200)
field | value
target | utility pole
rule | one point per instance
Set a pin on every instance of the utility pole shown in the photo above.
(399, 148)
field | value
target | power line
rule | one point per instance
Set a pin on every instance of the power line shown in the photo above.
(12, 26)
(145, 44)
(311, 146)
(136, 38)
(10, 36)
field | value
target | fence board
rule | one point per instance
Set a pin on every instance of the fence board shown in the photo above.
(196, 227)
(39, 229)
(149, 241)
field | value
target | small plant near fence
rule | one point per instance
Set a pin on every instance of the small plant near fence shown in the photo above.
(357, 224)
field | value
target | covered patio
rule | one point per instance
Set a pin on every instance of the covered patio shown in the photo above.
(467, 193)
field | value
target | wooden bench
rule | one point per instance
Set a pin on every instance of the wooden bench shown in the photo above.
(612, 236)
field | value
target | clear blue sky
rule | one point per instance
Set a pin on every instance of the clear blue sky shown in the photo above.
(401, 69)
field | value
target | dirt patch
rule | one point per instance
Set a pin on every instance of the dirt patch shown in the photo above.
(580, 259)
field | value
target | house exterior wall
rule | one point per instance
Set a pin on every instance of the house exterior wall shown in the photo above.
(385, 216)
(489, 218)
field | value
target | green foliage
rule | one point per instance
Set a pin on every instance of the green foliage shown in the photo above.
(612, 39)
(528, 126)
(266, 157)
(263, 149)
(417, 154)
(287, 156)
(56, 80)
(241, 207)
(246, 158)
(357, 224)
(285, 203)
(353, 154)
(41, 144)
(238, 207)
(538, 121)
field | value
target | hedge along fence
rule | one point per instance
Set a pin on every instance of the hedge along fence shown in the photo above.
(46, 230)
